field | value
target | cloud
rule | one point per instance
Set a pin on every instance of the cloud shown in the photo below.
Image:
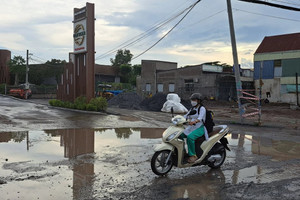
(55, 34)
(12, 40)
(45, 27)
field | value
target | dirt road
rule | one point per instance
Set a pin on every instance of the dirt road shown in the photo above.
(55, 154)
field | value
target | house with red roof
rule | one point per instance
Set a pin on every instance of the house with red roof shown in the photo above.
(276, 62)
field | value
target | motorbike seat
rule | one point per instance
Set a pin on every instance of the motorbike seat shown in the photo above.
(215, 131)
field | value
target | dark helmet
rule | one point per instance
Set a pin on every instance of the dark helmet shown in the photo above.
(196, 96)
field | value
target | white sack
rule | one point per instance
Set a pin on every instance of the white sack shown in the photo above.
(177, 107)
(173, 97)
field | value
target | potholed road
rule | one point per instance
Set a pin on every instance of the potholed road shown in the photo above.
(56, 154)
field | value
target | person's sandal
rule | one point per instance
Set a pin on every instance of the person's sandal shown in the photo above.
(192, 159)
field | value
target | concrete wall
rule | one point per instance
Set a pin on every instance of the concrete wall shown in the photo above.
(148, 75)
(205, 83)
(277, 55)
(186, 80)
(272, 86)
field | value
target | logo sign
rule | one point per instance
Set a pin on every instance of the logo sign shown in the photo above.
(79, 36)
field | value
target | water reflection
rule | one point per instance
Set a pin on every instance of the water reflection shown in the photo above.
(277, 149)
(14, 136)
(203, 186)
(123, 133)
(78, 142)
(75, 141)
(80, 145)
(151, 133)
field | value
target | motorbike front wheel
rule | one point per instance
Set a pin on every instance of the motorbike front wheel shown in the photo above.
(158, 162)
(217, 164)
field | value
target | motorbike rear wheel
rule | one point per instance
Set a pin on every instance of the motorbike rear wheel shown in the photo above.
(158, 165)
(217, 164)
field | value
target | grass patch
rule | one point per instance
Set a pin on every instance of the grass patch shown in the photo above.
(80, 103)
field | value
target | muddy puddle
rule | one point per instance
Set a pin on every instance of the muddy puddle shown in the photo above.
(113, 163)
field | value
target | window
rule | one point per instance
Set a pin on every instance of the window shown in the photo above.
(277, 63)
(171, 87)
(67, 74)
(189, 87)
(160, 87)
(188, 81)
(71, 77)
(277, 68)
(62, 79)
(148, 87)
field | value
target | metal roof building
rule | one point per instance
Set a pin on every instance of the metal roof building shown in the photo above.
(276, 62)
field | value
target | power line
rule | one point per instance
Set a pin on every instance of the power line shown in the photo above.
(286, 2)
(272, 16)
(144, 35)
(39, 62)
(272, 4)
(203, 19)
(137, 38)
(43, 60)
(168, 31)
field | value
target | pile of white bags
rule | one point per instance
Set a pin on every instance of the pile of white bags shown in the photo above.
(173, 100)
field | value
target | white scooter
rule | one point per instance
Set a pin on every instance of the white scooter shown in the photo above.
(172, 150)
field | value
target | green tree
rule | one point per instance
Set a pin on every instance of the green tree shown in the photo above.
(55, 62)
(17, 67)
(137, 69)
(57, 68)
(125, 72)
(122, 57)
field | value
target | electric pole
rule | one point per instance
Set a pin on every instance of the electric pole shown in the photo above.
(235, 60)
(27, 69)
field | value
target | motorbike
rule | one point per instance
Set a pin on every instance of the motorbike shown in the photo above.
(172, 152)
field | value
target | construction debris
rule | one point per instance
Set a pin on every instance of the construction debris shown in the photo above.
(154, 103)
(126, 100)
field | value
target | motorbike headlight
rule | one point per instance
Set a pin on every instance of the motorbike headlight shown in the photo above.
(170, 137)
(175, 121)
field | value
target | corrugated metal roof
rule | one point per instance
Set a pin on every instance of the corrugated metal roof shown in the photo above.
(278, 43)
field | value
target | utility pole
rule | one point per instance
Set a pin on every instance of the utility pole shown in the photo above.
(235, 60)
(27, 69)
(297, 92)
(260, 91)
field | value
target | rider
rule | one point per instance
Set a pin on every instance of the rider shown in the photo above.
(196, 126)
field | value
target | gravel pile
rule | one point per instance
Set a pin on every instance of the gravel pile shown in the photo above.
(130, 100)
(154, 103)
(186, 103)
(126, 100)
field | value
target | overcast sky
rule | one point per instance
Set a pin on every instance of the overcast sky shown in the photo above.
(45, 28)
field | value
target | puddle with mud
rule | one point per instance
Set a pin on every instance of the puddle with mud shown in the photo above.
(60, 163)
(92, 163)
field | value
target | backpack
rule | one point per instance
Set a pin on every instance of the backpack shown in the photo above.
(209, 120)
